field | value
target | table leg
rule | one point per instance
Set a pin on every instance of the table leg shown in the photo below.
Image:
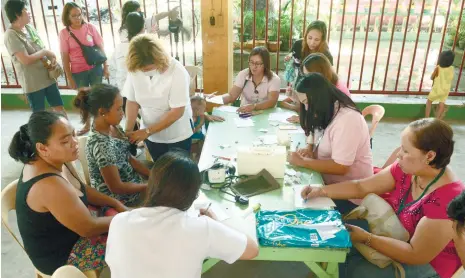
(209, 263)
(332, 270)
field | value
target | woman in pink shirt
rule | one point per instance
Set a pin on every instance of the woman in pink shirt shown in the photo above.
(79, 73)
(419, 187)
(316, 62)
(339, 141)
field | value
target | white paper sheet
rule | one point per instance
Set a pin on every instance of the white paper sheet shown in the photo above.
(227, 108)
(244, 122)
(220, 213)
(268, 139)
(281, 117)
(215, 99)
(282, 97)
(314, 203)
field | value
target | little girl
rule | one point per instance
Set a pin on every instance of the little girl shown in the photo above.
(442, 78)
(198, 105)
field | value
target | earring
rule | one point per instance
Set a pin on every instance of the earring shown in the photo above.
(427, 162)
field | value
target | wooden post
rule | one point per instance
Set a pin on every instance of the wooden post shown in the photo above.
(217, 45)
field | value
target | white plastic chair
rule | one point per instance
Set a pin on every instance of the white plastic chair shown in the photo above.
(68, 271)
(193, 72)
(83, 158)
(377, 113)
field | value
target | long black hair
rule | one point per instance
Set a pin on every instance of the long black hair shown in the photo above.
(37, 130)
(128, 7)
(321, 97)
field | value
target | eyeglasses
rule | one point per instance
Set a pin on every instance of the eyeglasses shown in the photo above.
(256, 91)
(255, 64)
(76, 16)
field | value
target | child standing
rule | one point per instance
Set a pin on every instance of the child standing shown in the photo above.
(198, 105)
(442, 77)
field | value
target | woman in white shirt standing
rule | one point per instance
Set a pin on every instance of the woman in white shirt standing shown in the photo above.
(158, 85)
(161, 239)
(257, 85)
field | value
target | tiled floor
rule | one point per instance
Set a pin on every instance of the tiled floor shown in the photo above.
(15, 263)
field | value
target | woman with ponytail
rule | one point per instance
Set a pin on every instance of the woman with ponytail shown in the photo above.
(54, 221)
(113, 170)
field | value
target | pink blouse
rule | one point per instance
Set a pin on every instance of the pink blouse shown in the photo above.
(434, 206)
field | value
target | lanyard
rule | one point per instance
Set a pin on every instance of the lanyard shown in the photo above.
(402, 205)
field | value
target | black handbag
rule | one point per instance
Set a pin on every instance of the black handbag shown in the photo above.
(93, 54)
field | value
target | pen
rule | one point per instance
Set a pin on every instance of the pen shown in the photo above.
(212, 94)
(205, 213)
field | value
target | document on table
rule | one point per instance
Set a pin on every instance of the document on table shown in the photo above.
(244, 122)
(281, 117)
(314, 203)
(282, 97)
(220, 213)
(215, 99)
(227, 108)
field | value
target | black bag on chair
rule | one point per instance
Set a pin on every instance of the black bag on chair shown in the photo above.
(93, 54)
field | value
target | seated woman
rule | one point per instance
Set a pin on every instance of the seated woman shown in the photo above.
(55, 224)
(456, 212)
(316, 62)
(418, 187)
(331, 117)
(161, 239)
(113, 170)
(257, 85)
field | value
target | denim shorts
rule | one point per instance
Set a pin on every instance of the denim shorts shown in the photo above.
(37, 99)
(89, 77)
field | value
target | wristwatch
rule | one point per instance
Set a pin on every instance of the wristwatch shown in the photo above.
(147, 130)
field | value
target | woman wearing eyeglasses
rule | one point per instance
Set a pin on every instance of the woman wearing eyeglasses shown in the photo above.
(78, 71)
(257, 85)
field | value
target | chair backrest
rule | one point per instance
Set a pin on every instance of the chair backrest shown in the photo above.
(460, 273)
(8, 200)
(193, 72)
(377, 113)
(83, 158)
(68, 271)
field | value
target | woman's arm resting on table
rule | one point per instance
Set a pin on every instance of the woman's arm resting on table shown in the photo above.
(251, 250)
(232, 95)
(378, 184)
(61, 200)
(113, 180)
(99, 199)
(318, 165)
(289, 105)
(269, 103)
(139, 167)
(430, 238)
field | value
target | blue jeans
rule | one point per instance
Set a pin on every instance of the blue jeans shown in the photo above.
(89, 77)
(158, 149)
(37, 99)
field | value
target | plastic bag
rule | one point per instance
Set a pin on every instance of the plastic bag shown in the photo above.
(302, 228)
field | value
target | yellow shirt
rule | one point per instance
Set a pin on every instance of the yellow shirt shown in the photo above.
(441, 85)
